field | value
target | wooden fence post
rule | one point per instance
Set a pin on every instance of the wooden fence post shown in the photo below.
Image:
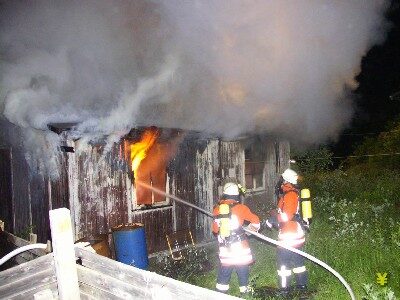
(64, 254)
(32, 238)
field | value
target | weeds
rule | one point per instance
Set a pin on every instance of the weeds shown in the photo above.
(194, 262)
(355, 230)
(373, 293)
(25, 232)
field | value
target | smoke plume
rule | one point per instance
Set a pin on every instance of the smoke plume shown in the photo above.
(225, 67)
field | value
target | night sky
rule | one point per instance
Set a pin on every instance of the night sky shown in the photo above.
(377, 98)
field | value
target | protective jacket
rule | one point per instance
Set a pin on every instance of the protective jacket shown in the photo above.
(235, 250)
(290, 231)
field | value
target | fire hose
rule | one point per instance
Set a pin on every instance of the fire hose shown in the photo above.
(263, 237)
(20, 250)
(306, 255)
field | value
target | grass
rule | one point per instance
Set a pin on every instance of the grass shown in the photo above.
(355, 230)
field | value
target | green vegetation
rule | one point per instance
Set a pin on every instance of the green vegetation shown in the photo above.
(195, 261)
(379, 152)
(357, 226)
(355, 230)
(313, 160)
(25, 232)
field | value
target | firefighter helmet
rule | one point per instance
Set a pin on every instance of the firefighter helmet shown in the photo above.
(290, 176)
(231, 189)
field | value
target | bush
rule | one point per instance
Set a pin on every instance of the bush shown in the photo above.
(194, 262)
(315, 160)
(356, 229)
(373, 293)
(355, 207)
(381, 151)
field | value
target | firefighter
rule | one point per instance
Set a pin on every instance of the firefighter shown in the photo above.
(234, 250)
(291, 233)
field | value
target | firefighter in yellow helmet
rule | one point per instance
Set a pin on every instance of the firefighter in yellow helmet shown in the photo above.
(291, 233)
(234, 251)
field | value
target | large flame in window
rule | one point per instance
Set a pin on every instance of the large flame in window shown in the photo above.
(140, 149)
(149, 156)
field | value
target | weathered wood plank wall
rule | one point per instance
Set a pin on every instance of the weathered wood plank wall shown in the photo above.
(6, 193)
(100, 191)
(26, 196)
(39, 205)
(99, 276)
(98, 188)
(157, 223)
(232, 161)
(182, 184)
(283, 153)
(58, 190)
(206, 187)
(21, 193)
(270, 170)
(23, 281)
(102, 198)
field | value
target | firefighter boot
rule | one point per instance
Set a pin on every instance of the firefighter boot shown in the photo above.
(222, 288)
(284, 280)
(301, 278)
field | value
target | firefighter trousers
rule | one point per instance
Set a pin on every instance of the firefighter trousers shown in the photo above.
(224, 276)
(291, 263)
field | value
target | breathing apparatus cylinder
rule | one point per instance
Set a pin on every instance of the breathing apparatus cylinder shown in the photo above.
(306, 210)
(224, 227)
(242, 189)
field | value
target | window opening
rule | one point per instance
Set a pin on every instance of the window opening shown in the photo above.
(254, 170)
(149, 161)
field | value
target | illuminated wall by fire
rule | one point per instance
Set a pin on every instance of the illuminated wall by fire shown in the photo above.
(105, 190)
(102, 189)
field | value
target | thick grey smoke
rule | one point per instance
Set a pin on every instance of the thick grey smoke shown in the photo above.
(226, 67)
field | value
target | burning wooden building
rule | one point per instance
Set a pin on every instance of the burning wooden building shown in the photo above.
(105, 188)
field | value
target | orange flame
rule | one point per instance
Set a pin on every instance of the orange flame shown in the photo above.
(149, 158)
(139, 150)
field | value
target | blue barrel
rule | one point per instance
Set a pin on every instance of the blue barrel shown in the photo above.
(130, 245)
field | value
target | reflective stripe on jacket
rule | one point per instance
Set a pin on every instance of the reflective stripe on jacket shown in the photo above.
(291, 233)
(237, 252)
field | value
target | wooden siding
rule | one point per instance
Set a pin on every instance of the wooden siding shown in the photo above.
(39, 207)
(58, 190)
(283, 154)
(6, 211)
(30, 194)
(25, 280)
(157, 223)
(231, 161)
(98, 188)
(182, 184)
(101, 196)
(197, 173)
(21, 193)
(270, 171)
(99, 192)
(97, 277)
(100, 277)
(207, 182)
